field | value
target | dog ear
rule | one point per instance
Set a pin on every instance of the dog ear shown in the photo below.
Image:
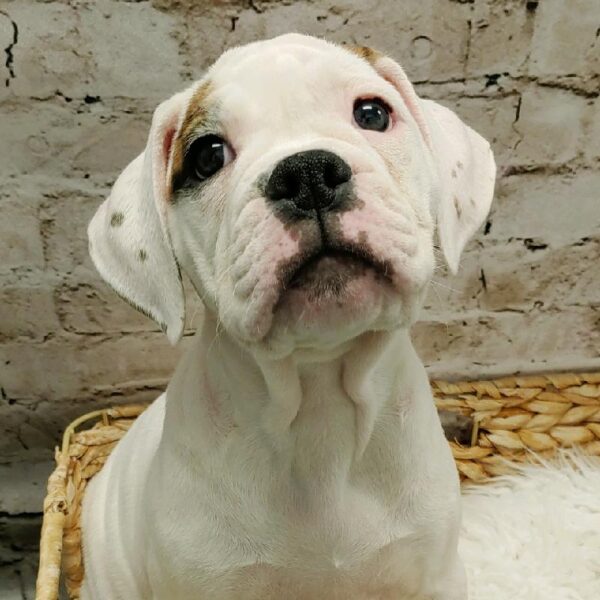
(467, 174)
(463, 160)
(128, 236)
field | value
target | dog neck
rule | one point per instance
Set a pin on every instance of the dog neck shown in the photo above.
(320, 414)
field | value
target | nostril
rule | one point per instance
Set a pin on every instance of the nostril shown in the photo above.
(335, 173)
(292, 185)
(280, 186)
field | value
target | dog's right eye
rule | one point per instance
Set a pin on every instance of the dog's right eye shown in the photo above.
(208, 155)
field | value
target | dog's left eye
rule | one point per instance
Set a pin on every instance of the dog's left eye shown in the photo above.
(209, 154)
(372, 114)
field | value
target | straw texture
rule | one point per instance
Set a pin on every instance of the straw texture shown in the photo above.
(516, 416)
(512, 417)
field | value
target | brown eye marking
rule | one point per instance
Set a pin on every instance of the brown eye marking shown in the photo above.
(196, 115)
(116, 219)
(197, 111)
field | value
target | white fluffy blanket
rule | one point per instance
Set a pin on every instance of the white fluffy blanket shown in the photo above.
(535, 535)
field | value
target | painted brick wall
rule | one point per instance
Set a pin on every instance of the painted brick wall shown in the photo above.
(78, 83)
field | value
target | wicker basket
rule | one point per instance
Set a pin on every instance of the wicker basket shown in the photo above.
(513, 418)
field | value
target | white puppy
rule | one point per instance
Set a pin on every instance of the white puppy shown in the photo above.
(297, 452)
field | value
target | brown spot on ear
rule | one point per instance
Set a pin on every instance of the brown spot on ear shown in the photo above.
(195, 116)
(366, 53)
(116, 219)
(457, 206)
(142, 255)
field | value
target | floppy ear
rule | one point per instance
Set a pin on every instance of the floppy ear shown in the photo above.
(128, 235)
(467, 174)
(463, 160)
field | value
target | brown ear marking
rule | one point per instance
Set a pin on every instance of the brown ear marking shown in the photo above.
(195, 116)
(117, 218)
(457, 207)
(366, 53)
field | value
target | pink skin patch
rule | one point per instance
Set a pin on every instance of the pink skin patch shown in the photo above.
(256, 270)
(391, 239)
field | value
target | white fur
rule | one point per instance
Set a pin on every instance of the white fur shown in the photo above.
(535, 535)
(297, 452)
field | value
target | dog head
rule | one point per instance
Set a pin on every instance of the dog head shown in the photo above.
(298, 185)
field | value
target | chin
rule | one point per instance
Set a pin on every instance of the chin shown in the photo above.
(330, 300)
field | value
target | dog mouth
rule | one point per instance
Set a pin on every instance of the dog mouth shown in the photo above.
(327, 273)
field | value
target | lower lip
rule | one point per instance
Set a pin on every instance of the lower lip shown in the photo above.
(330, 286)
(329, 273)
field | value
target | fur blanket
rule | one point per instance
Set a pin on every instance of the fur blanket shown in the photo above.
(535, 535)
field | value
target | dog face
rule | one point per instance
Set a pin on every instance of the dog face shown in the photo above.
(298, 185)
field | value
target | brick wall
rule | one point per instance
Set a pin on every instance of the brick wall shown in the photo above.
(78, 83)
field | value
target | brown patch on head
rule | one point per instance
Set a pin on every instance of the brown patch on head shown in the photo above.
(195, 116)
(366, 53)
(142, 255)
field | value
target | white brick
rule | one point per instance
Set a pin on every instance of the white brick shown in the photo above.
(592, 127)
(23, 488)
(27, 310)
(519, 276)
(104, 48)
(20, 238)
(493, 118)
(75, 138)
(550, 126)
(565, 40)
(86, 304)
(431, 44)
(74, 366)
(484, 344)
(10, 584)
(559, 209)
(500, 38)
(66, 219)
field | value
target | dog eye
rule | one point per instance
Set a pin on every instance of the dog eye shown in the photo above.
(372, 114)
(208, 155)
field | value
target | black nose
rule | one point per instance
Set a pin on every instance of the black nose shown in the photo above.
(310, 180)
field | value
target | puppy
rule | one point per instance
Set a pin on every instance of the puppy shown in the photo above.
(297, 452)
